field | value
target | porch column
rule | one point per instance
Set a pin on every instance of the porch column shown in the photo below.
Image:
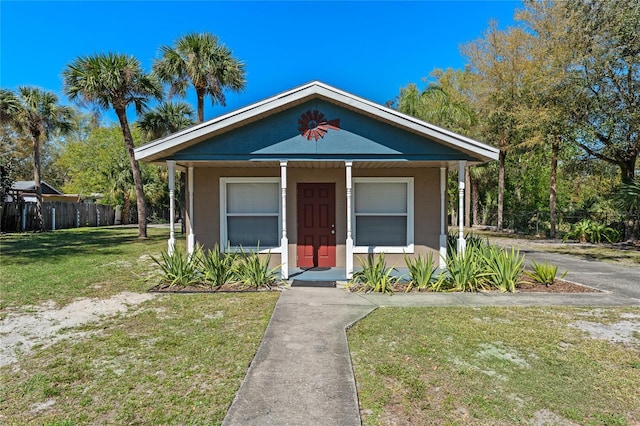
(191, 238)
(284, 241)
(349, 242)
(172, 205)
(443, 217)
(462, 244)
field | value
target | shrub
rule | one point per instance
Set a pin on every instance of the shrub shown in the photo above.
(421, 271)
(178, 269)
(600, 231)
(217, 268)
(253, 269)
(465, 272)
(590, 231)
(544, 273)
(505, 267)
(375, 276)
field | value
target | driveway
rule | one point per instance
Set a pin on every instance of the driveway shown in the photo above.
(618, 279)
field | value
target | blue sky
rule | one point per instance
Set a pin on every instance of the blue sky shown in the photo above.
(371, 49)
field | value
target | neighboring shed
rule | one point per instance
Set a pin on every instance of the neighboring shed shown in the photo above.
(317, 176)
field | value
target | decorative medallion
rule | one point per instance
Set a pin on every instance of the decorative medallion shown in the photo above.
(313, 125)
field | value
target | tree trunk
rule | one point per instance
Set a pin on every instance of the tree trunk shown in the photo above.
(475, 201)
(37, 181)
(467, 198)
(627, 169)
(135, 169)
(555, 147)
(200, 95)
(501, 165)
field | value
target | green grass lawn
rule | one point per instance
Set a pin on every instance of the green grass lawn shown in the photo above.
(70, 263)
(489, 366)
(178, 359)
(174, 359)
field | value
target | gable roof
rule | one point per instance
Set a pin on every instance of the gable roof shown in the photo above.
(29, 186)
(165, 147)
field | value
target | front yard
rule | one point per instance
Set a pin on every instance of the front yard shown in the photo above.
(498, 366)
(83, 342)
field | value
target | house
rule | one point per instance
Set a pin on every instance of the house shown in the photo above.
(317, 176)
(25, 190)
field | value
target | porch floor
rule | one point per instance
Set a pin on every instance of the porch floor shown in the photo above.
(333, 274)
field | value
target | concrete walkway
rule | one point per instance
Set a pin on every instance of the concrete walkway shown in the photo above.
(302, 372)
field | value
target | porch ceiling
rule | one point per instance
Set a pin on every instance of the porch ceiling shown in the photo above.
(317, 164)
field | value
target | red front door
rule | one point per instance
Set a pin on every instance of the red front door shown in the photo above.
(316, 225)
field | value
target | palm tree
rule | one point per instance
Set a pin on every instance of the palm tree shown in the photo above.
(116, 81)
(200, 61)
(166, 118)
(9, 105)
(436, 106)
(37, 114)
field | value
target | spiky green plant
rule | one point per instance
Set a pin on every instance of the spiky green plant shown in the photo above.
(544, 273)
(253, 269)
(465, 272)
(471, 241)
(217, 268)
(591, 231)
(375, 276)
(422, 271)
(178, 269)
(505, 267)
(579, 231)
(600, 232)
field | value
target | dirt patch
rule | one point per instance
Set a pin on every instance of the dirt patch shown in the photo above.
(44, 325)
(627, 331)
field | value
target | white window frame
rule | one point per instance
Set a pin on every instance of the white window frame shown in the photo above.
(224, 237)
(410, 247)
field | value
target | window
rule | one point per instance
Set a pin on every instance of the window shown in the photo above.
(250, 212)
(383, 215)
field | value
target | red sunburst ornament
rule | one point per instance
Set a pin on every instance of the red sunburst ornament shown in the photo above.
(313, 125)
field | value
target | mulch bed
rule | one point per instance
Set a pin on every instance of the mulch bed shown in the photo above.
(559, 286)
(226, 288)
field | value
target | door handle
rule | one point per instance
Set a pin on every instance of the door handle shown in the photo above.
(333, 231)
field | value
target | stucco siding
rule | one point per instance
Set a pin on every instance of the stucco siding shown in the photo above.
(426, 205)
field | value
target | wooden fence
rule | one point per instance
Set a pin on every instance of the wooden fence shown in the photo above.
(18, 217)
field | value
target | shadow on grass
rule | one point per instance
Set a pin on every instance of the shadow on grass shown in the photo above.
(596, 255)
(26, 247)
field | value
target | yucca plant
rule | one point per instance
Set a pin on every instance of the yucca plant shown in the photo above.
(544, 273)
(422, 271)
(472, 241)
(178, 269)
(217, 268)
(505, 268)
(580, 231)
(600, 232)
(465, 272)
(253, 269)
(375, 276)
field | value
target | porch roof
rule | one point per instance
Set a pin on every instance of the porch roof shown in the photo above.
(377, 133)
